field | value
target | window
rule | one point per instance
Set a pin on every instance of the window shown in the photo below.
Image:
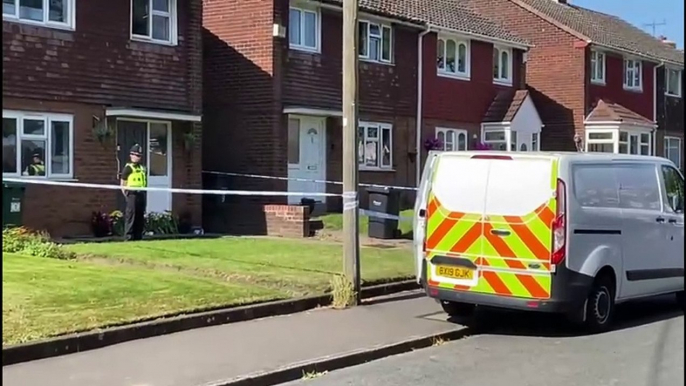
(495, 139)
(51, 13)
(673, 150)
(453, 57)
(34, 139)
(293, 141)
(632, 74)
(375, 146)
(674, 188)
(534, 142)
(154, 20)
(673, 82)
(595, 186)
(502, 65)
(303, 29)
(635, 143)
(597, 67)
(452, 139)
(639, 188)
(375, 42)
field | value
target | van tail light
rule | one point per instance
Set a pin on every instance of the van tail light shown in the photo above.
(559, 225)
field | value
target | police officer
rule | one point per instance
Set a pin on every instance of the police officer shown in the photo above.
(134, 175)
(37, 166)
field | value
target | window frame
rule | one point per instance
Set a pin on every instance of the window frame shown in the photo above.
(69, 24)
(666, 149)
(457, 132)
(381, 127)
(626, 77)
(457, 73)
(505, 81)
(173, 24)
(616, 139)
(667, 78)
(382, 26)
(318, 28)
(598, 58)
(48, 118)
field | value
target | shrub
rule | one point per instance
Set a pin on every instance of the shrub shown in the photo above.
(24, 241)
(342, 292)
(101, 224)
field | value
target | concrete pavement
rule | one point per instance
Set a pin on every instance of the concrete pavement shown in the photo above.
(206, 355)
(647, 349)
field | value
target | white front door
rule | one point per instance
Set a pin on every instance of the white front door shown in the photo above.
(523, 142)
(159, 166)
(306, 156)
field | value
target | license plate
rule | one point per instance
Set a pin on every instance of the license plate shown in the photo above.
(455, 272)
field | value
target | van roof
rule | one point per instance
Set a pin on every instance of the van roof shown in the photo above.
(568, 155)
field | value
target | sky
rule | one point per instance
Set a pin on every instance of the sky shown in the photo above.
(641, 12)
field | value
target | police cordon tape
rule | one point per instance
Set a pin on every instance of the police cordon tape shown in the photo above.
(196, 191)
(264, 177)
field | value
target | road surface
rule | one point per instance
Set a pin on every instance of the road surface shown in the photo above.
(646, 349)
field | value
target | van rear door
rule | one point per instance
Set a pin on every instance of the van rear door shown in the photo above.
(492, 215)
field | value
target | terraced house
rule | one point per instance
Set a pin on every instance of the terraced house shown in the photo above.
(429, 69)
(83, 80)
(600, 83)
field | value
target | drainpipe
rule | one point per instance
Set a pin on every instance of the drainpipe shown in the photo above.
(655, 107)
(420, 93)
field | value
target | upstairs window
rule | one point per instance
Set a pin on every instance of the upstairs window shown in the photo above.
(502, 65)
(51, 13)
(673, 150)
(633, 78)
(453, 57)
(375, 41)
(154, 21)
(597, 67)
(673, 82)
(303, 29)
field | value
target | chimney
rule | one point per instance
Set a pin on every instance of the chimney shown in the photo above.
(561, 1)
(668, 42)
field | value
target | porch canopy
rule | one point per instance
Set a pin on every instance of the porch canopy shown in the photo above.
(512, 122)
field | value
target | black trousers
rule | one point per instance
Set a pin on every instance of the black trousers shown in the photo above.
(134, 217)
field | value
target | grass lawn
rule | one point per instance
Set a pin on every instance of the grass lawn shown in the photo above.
(117, 282)
(43, 297)
(298, 267)
(334, 222)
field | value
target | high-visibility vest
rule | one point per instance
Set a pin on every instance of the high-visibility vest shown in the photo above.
(38, 169)
(138, 177)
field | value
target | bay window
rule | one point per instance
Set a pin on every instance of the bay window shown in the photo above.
(375, 145)
(620, 141)
(34, 138)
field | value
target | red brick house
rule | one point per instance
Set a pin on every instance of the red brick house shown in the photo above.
(85, 80)
(273, 76)
(581, 57)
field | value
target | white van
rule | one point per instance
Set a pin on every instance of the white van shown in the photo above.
(574, 233)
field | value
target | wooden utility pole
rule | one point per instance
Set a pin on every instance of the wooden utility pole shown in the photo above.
(351, 246)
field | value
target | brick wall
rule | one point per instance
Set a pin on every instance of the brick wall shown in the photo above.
(461, 100)
(99, 64)
(556, 72)
(287, 220)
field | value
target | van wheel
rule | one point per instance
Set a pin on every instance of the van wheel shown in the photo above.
(457, 309)
(681, 299)
(600, 305)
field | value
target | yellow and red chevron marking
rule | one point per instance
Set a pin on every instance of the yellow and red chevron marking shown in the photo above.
(514, 265)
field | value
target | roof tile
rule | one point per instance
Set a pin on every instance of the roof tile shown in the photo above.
(454, 15)
(607, 30)
(606, 111)
(505, 105)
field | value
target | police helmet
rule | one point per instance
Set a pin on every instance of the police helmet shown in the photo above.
(136, 149)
